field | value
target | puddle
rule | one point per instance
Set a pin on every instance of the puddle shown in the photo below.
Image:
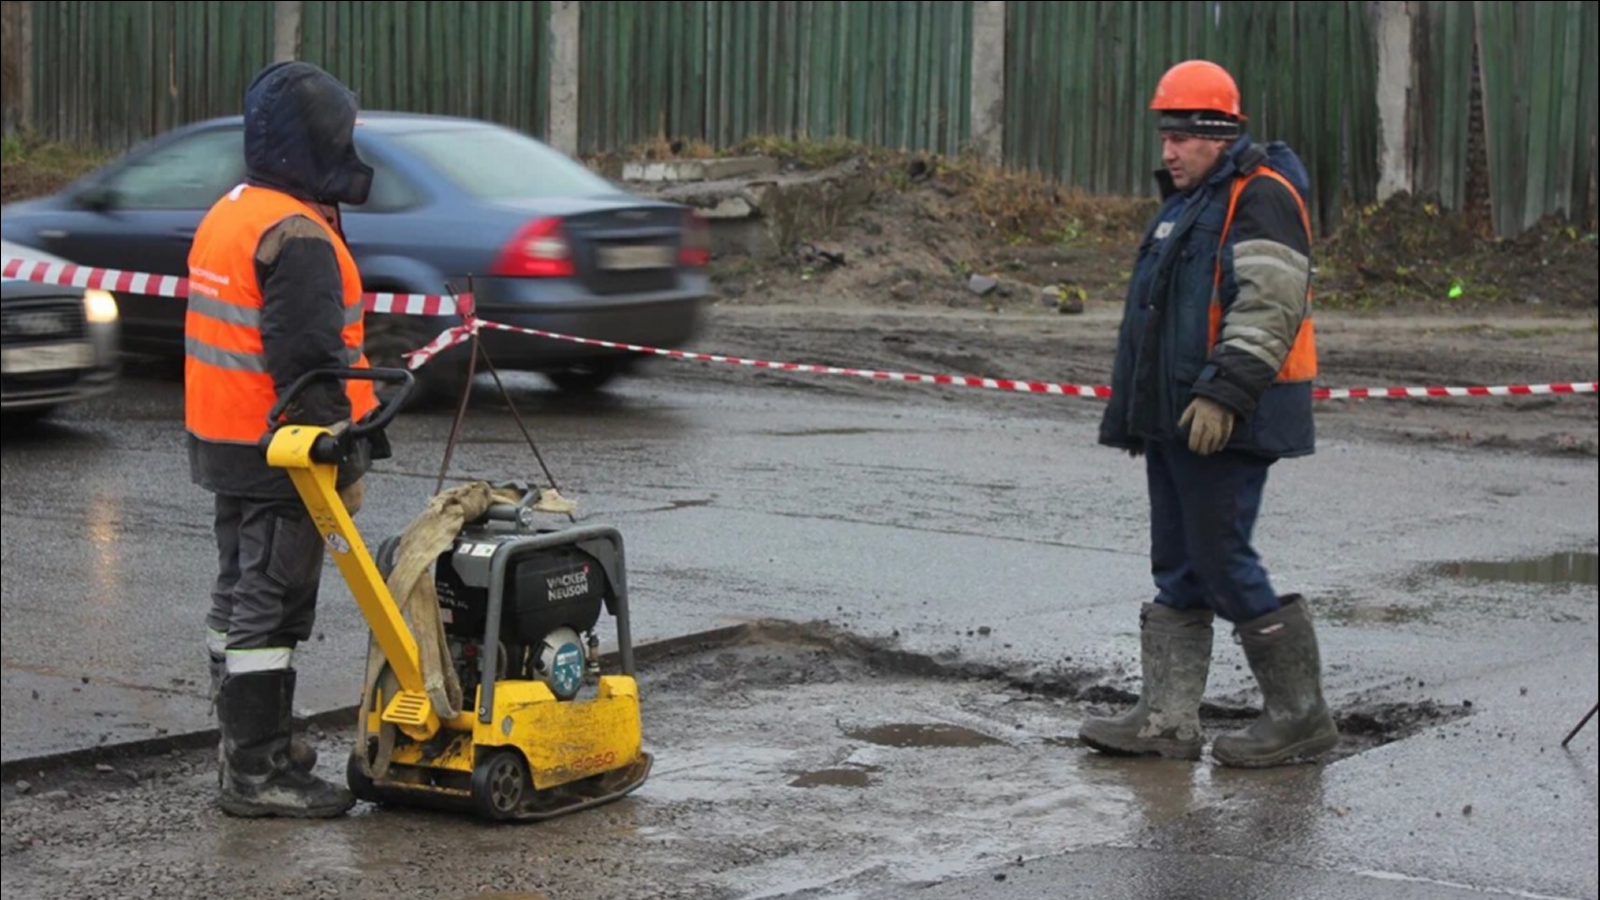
(846, 778)
(1558, 568)
(921, 736)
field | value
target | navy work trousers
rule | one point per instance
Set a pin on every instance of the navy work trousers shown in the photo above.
(1202, 514)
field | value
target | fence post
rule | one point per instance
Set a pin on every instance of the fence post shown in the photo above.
(989, 80)
(1394, 33)
(286, 30)
(565, 31)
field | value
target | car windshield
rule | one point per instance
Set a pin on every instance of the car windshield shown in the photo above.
(500, 164)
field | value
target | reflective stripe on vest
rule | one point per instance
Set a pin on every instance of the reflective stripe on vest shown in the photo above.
(1301, 363)
(228, 390)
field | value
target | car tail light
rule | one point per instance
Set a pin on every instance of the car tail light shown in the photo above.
(538, 250)
(696, 251)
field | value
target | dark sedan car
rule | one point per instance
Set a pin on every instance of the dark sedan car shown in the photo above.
(549, 244)
(58, 345)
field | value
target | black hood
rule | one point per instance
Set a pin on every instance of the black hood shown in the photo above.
(299, 135)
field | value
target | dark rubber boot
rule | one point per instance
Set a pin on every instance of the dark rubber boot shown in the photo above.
(1175, 654)
(259, 777)
(303, 753)
(1295, 722)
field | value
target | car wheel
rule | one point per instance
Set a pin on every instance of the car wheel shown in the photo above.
(584, 379)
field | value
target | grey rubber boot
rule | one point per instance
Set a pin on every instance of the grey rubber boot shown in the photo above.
(259, 777)
(1175, 655)
(1295, 722)
(303, 754)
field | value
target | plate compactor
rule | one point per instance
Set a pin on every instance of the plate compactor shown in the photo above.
(541, 732)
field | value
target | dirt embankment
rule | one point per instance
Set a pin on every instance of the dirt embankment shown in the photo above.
(942, 233)
(31, 168)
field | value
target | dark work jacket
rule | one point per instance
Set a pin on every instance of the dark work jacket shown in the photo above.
(1164, 358)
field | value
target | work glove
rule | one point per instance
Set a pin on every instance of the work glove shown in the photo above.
(1210, 425)
(354, 494)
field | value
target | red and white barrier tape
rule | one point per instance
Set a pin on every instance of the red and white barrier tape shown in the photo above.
(68, 275)
(462, 333)
(462, 305)
(1514, 390)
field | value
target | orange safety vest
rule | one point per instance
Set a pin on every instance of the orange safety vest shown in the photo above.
(1301, 363)
(228, 390)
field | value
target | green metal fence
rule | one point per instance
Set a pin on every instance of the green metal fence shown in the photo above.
(1080, 76)
(891, 73)
(1445, 35)
(480, 59)
(1540, 113)
(111, 74)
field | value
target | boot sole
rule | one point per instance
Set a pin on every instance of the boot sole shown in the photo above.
(244, 810)
(1163, 749)
(1304, 750)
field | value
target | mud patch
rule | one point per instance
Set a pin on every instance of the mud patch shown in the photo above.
(1359, 611)
(1377, 724)
(825, 432)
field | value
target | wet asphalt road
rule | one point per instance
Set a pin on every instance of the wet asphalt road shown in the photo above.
(913, 513)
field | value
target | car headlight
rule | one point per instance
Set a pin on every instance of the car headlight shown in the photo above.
(99, 306)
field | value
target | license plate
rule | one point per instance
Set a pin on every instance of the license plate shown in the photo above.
(48, 358)
(632, 258)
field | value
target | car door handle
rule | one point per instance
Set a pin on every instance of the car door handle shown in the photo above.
(52, 234)
(184, 232)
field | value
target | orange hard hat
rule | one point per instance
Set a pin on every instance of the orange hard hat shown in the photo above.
(1197, 85)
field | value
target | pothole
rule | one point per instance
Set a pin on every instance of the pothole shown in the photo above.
(921, 736)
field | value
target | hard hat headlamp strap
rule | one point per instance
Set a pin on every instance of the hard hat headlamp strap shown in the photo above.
(1201, 124)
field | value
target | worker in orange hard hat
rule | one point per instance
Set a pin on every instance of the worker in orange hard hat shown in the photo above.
(1211, 384)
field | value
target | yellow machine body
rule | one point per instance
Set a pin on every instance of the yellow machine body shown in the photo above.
(532, 756)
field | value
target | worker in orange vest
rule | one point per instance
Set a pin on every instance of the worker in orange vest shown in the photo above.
(1211, 384)
(273, 294)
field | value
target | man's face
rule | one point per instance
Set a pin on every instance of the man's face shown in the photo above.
(1188, 158)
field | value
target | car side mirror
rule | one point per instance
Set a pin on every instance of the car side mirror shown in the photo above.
(99, 198)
